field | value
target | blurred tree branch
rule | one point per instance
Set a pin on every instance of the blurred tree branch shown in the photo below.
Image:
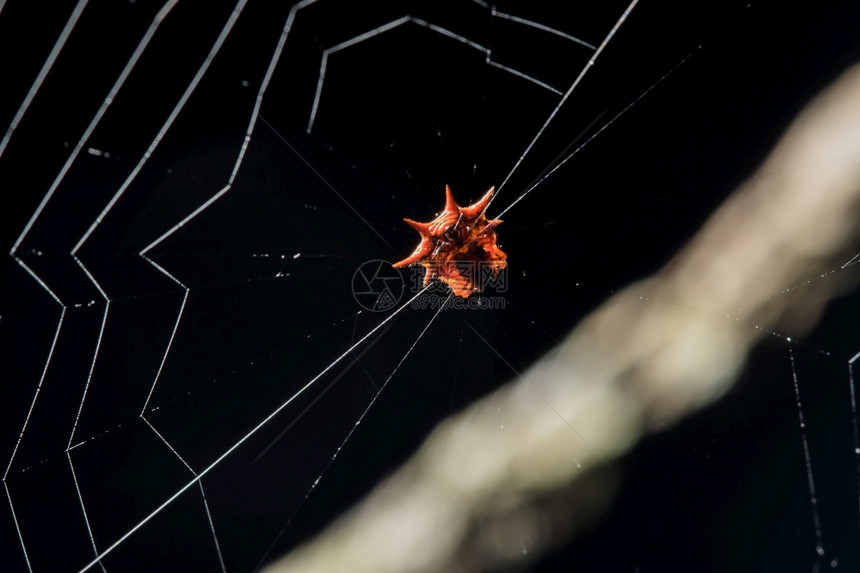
(475, 497)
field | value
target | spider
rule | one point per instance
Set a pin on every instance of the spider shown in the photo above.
(458, 246)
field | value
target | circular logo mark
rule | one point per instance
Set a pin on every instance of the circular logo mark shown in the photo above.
(377, 286)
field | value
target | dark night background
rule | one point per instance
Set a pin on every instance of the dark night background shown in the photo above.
(269, 265)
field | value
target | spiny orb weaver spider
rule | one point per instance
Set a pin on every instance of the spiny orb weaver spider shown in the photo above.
(457, 245)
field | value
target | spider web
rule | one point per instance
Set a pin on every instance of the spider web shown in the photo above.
(191, 189)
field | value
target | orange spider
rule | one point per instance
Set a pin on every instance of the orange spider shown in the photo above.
(457, 244)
